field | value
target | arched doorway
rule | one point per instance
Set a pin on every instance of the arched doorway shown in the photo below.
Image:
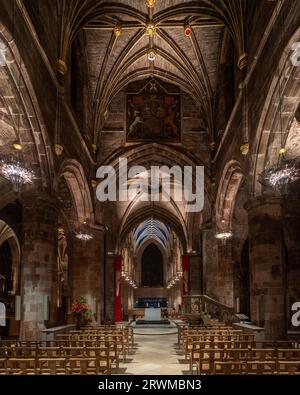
(152, 267)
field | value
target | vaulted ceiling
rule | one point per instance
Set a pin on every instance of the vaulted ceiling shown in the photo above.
(191, 62)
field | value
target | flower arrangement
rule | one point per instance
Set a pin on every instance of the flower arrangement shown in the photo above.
(80, 310)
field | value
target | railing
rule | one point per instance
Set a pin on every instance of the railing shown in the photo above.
(203, 306)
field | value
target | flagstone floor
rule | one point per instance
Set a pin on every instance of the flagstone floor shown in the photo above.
(156, 353)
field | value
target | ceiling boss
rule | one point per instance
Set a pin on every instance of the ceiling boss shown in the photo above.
(150, 3)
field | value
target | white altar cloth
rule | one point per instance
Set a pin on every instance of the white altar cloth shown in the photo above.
(152, 314)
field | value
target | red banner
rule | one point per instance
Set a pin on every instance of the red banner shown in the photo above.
(185, 275)
(118, 299)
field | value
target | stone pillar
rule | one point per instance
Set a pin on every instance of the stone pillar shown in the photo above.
(210, 263)
(87, 272)
(217, 267)
(195, 274)
(225, 273)
(39, 265)
(267, 266)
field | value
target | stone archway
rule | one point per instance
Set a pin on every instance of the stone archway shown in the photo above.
(229, 185)
(21, 117)
(73, 174)
(84, 262)
(221, 276)
(284, 89)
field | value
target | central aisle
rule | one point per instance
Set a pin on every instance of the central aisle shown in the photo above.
(155, 353)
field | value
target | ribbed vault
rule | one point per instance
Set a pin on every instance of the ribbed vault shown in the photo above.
(115, 60)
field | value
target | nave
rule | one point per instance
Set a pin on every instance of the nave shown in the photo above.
(149, 181)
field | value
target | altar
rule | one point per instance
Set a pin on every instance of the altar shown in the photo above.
(152, 314)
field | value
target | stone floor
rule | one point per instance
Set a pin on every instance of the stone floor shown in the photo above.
(156, 353)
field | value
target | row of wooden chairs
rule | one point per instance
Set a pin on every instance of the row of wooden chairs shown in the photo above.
(257, 367)
(242, 341)
(59, 365)
(97, 348)
(204, 359)
(185, 330)
(225, 350)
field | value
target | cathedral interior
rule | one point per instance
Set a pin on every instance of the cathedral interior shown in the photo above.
(105, 107)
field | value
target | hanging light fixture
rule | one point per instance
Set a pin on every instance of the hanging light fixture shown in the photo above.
(281, 176)
(224, 235)
(14, 171)
(84, 232)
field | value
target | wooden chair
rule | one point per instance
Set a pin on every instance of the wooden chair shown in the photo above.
(289, 354)
(21, 366)
(288, 367)
(236, 354)
(52, 366)
(50, 352)
(24, 352)
(261, 367)
(229, 367)
(263, 354)
(68, 352)
(207, 358)
(3, 366)
(81, 366)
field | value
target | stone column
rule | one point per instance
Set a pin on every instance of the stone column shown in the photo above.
(225, 273)
(39, 265)
(87, 272)
(217, 267)
(195, 274)
(267, 265)
(210, 264)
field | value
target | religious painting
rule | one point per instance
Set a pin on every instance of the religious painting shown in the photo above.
(153, 114)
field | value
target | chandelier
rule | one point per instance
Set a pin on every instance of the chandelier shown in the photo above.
(281, 176)
(84, 232)
(16, 173)
(224, 235)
